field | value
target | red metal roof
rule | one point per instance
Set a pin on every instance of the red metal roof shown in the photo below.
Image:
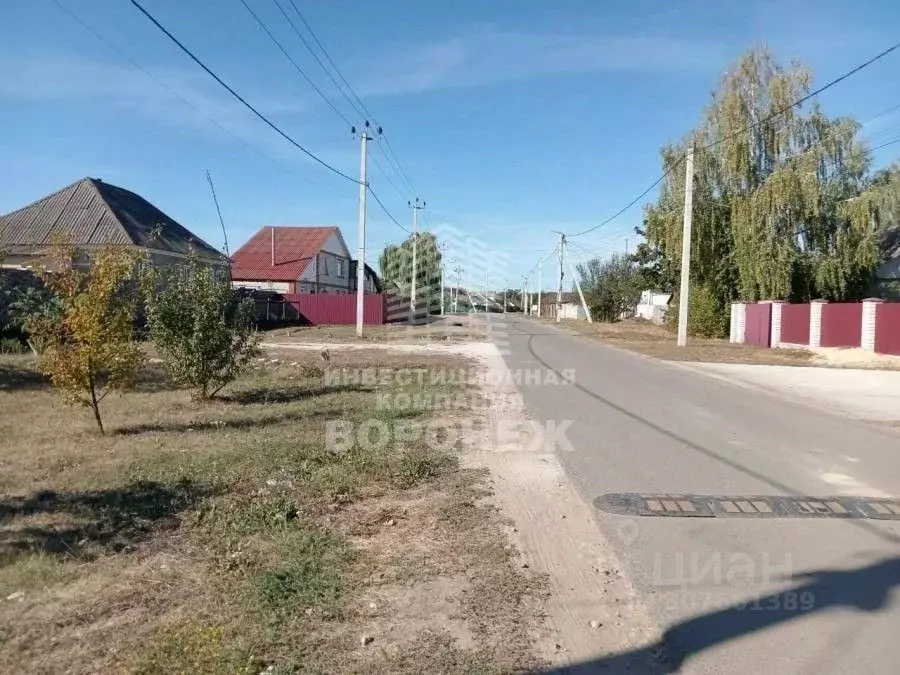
(294, 248)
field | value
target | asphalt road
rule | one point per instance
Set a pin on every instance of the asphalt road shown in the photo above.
(819, 591)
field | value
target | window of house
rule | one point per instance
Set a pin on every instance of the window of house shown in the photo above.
(340, 267)
(323, 264)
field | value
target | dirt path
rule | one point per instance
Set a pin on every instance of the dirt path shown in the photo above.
(592, 610)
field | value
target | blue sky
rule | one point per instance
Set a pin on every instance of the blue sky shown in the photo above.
(512, 118)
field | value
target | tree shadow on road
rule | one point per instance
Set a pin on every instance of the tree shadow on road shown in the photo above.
(865, 589)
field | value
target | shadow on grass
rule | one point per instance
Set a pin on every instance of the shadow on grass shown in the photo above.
(230, 424)
(113, 520)
(152, 378)
(288, 394)
(17, 378)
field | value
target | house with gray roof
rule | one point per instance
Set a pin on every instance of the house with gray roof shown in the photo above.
(91, 213)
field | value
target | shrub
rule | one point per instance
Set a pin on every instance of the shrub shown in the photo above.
(706, 317)
(202, 331)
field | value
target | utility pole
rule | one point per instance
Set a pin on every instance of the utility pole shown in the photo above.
(562, 263)
(584, 305)
(686, 249)
(540, 263)
(459, 271)
(416, 207)
(361, 235)
(442, 279)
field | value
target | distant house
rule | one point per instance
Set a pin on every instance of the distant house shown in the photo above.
(569, 309)
(91, 214)
(297, 260)
(653, 306)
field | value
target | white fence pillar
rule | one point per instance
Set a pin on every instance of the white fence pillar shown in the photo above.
(815, 322)
(775, 335)
(738, 322)
(869, 314)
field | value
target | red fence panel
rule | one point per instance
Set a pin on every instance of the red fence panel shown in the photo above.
(758, 325)
(842, 324)
(332, 309)
(795, 324)
(887, 328)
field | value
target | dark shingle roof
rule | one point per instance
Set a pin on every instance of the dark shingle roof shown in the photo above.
(94, 213)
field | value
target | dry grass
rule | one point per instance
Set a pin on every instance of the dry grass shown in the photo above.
(647, 338)
(226, 537)
(450, 328)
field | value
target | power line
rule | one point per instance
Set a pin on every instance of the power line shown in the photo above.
(355, 102)
(891, 142)
(295, 64)
(384, 208)
(112, 46)
(362, 110)
(386, 177)
(768, 118)
(240, 98)
(804, 99)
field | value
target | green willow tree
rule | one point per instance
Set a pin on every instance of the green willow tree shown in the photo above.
(784, 203)
(395, 264)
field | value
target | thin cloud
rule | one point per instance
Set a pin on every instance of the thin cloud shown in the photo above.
(489, 58)
(119, 87)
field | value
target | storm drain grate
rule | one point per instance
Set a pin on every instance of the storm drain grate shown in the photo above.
(746, 506)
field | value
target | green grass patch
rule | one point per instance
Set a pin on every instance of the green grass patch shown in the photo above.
(196, 648)
(310, 576)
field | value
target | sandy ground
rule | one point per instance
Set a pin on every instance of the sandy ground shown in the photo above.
(854, 358)
(862, 393)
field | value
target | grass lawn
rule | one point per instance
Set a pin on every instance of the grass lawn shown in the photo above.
(227, 538)
(652, 340)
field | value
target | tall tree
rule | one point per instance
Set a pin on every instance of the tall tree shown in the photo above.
(784, 207)
(395, 263)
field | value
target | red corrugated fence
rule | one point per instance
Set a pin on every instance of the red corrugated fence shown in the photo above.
(758, 325)
(325, 308)
(795, 324)
(887, 328)
(842, 324)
